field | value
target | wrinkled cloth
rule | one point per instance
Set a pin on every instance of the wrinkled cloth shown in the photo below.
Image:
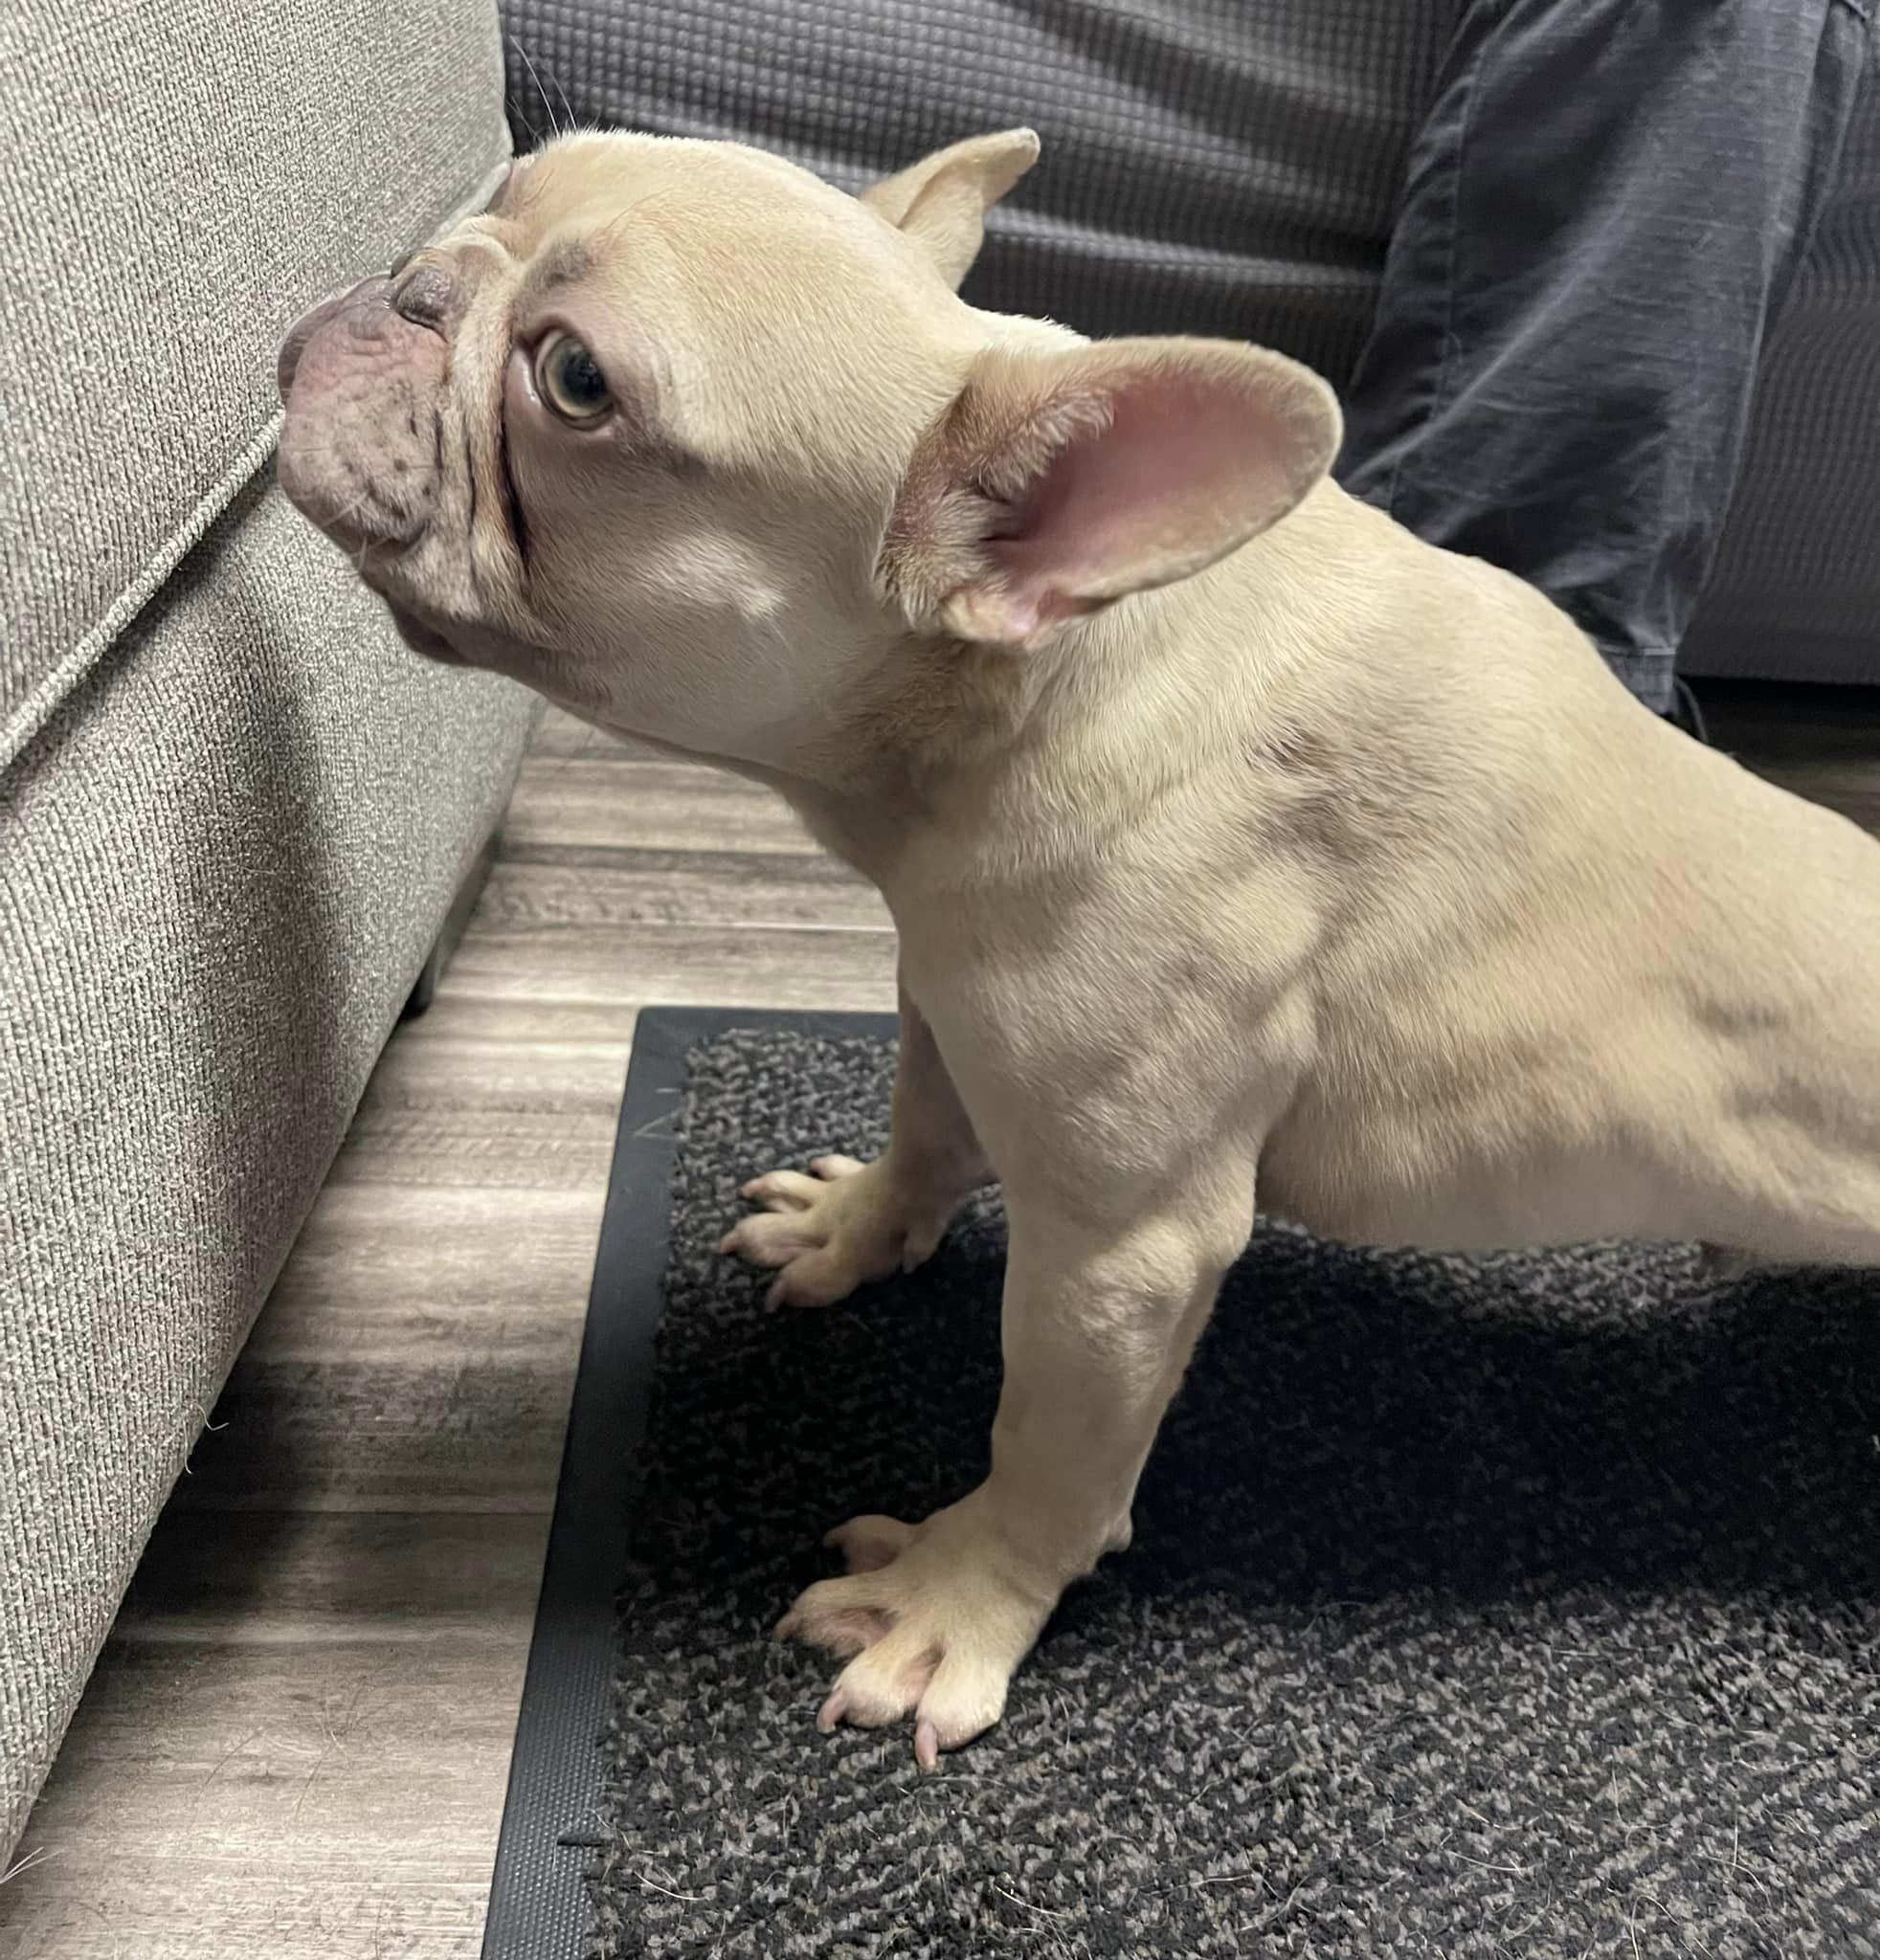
(1605, 212)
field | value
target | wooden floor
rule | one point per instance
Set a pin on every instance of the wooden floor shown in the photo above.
(296, 1740)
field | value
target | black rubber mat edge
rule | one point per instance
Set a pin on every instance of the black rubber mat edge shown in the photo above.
(539, 1907)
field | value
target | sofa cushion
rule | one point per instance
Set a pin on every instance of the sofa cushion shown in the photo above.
(233, 809)
(179, 185)
(222, 863)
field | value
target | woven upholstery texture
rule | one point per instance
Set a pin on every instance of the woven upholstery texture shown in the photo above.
(233, 809)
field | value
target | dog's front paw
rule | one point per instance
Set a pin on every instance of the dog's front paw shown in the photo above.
(830, 1233)
(936, 1616)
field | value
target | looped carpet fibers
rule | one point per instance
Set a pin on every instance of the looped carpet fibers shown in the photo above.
(1523, 1606)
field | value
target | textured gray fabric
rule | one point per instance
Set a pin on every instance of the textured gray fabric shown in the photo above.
(1209, 166)
(1607, 207)
(223, 860)
(233, 807)
(175, 192)
(1515, 1606)
(222, 863)
(1212, 166)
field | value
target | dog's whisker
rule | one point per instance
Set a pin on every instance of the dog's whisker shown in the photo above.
(548, 107)
(566, 108)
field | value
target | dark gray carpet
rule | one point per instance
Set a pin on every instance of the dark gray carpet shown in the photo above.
(1522, 1607)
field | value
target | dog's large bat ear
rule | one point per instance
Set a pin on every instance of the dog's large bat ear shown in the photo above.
(941, 202)
(1061, 481)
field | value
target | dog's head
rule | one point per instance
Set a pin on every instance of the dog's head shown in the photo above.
(691, 442)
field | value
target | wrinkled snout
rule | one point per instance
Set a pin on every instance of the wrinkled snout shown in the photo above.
(362, 377)
(287, 362)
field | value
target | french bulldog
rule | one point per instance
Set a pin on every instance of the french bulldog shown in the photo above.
(1238, 843)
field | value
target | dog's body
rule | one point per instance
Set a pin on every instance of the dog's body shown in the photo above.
(1225, 853)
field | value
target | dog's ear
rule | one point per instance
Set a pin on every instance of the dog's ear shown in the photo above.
(1060, 481)
(941, 202)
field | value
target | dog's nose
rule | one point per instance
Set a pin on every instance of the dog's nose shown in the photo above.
(426, 295)
(365, 305)
(287, 362)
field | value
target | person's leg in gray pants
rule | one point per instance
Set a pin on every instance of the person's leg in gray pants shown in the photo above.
(1604, 212)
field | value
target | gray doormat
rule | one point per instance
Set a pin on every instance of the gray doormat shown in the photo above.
(1525, 1606)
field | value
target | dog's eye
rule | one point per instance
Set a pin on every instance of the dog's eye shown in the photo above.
(569, 379)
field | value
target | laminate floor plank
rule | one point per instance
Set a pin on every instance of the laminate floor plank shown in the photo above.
(295, 1744)
(612, 801)
(688, 966)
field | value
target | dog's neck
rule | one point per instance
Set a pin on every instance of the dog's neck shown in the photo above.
(1048, 744)
(946, 737)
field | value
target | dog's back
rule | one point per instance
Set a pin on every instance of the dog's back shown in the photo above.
(1595, 979)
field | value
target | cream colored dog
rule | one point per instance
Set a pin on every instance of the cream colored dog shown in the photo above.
(1234, 838)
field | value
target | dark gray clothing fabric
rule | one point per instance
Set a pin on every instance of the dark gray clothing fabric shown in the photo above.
(1605, 208)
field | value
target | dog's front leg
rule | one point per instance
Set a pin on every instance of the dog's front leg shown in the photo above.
(851, 1222)
(1100, 1317)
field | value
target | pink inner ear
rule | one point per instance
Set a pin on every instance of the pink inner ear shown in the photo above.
(1187, 467)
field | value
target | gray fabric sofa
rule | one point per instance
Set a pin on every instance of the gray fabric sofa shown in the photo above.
(233, 810)
(1216, 167)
